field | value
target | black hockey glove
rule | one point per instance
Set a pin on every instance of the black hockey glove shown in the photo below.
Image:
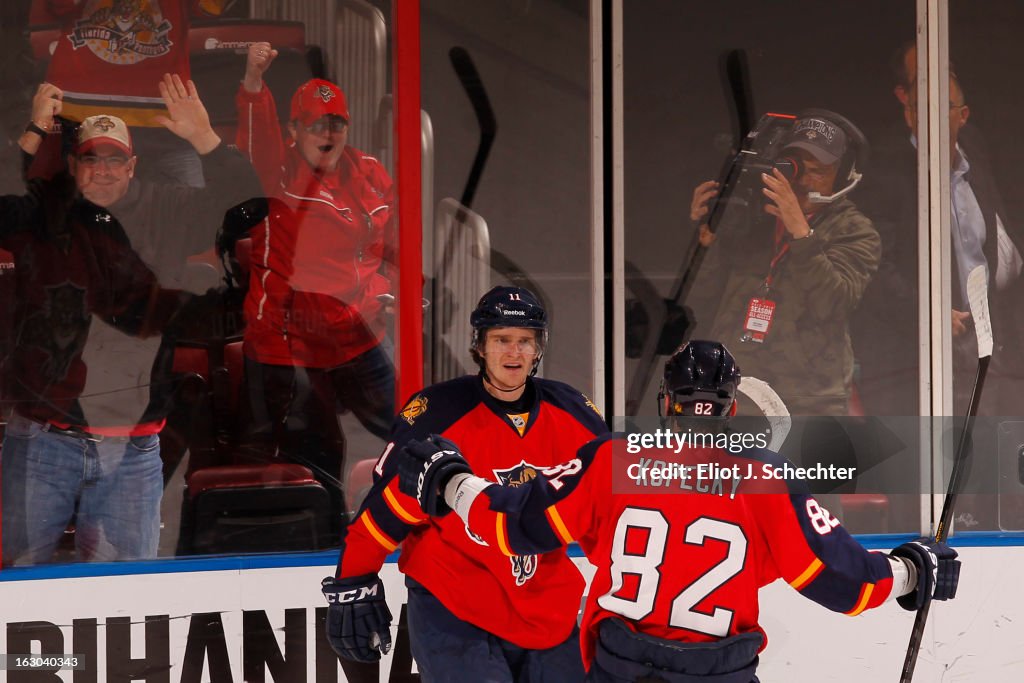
(938, 572)
(424, 468)
(358, 619)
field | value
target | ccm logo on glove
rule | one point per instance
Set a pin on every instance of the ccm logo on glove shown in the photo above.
(354, 595)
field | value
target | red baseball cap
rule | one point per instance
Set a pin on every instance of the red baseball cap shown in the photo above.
(317, 98)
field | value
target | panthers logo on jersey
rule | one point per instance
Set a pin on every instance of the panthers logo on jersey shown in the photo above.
(523, 566)
(122, 31)
(516, 476)
(416, 407)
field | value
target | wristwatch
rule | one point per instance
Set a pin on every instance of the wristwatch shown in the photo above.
(810, 231)
(33, 128)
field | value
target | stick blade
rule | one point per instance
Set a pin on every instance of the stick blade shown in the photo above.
(977, 297)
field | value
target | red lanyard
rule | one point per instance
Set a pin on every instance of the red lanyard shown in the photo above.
(781, 247)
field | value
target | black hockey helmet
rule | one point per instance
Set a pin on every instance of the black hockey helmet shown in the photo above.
(700, 380)
(508, 307)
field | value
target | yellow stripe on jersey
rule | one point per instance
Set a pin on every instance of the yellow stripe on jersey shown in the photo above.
(862, 599)
(558, 525)
(377, 534)
(396, 507)
(502, 533)
(813, 569)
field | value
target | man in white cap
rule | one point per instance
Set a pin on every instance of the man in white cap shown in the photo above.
(166, 222)
(90, 379)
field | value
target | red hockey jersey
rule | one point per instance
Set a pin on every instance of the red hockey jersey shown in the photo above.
(112, 54)
(683, 561)
(531, 600)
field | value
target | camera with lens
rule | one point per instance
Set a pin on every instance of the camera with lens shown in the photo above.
(741, 191)
(762, 151)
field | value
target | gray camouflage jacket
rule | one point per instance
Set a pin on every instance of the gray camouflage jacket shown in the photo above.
(806, 355)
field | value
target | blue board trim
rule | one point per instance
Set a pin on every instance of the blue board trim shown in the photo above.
(329, 558)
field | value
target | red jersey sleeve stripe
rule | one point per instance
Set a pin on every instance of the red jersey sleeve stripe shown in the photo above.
(808, 575)
(863, 599)
(396, 507)
(377, 534)
(558, 525)
(501, 532)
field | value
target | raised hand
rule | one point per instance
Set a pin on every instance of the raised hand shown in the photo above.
(188, 118)
(702, 195)
(46, 104)
(257, 61)
(784, 204)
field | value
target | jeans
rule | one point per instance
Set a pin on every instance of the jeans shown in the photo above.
(111, 488)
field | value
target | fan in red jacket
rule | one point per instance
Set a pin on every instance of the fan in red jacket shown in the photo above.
(315, 326)
(675, 595)
(474, 614)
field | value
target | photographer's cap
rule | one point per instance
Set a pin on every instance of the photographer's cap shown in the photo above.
(103, 129)
(824, 140)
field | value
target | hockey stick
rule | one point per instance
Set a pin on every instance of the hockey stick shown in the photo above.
(469, 77)
(487, 122)
(978, 298)
(736, 77)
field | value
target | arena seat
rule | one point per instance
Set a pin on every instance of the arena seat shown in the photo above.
(242, 497)
(271, 506)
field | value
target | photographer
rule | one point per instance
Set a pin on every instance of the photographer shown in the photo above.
(792, 276)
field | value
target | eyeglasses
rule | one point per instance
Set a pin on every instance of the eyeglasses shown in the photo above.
(527, 347)
(334, 124)
(114, 163)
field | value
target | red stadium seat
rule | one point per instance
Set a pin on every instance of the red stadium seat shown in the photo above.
(241, 496)
(252, 508)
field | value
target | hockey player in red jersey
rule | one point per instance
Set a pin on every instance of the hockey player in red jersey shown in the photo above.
(675, 595)
(474, 614)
